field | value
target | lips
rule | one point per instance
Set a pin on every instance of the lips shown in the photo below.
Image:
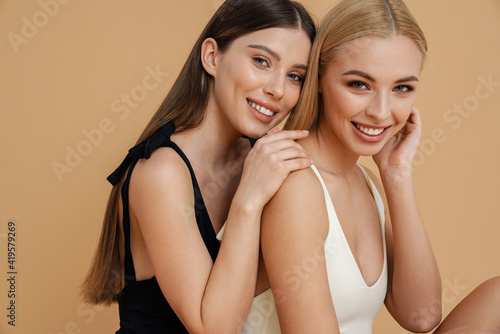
(368, 133)
(260, 108)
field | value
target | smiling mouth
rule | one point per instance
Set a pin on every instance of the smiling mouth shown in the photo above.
(260, 109)
(369, 131)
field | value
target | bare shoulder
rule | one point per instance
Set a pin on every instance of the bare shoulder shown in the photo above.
(300, 184)
(293, 234)
(299, 205)
(163, 163)
(163, 174)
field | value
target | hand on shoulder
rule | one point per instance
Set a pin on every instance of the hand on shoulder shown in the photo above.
(268, 164)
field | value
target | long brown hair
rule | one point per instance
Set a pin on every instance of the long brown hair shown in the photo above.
(348, 21)
(185, 105)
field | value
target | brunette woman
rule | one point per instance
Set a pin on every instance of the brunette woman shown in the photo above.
(191, 171)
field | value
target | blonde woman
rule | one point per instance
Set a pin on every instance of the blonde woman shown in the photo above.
(337, 243)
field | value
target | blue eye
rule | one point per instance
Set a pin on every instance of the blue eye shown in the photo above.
(261, 61)
(358, 85)
(296, 77)
(403, 88)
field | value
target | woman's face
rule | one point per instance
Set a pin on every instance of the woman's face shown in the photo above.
(369, 92)
(258, 79)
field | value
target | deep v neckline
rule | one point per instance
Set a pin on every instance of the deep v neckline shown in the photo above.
(381, 220)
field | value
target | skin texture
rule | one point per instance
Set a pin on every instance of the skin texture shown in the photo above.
(246, 70)
(375, 88)
(215, 297)
(350, 96)
(478, 313)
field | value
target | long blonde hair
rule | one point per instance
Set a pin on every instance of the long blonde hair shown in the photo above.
(348, 21)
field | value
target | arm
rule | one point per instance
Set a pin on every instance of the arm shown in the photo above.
(208, 297)
(294, 228)
(414, 286)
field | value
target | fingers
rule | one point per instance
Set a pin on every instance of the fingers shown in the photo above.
(415, 120)
(277, 145)
(414, 116)
(276, 135)
(270, 161)
(274, 130)
(276, 141)
(296, 164)
(290, 153)
(279, 151)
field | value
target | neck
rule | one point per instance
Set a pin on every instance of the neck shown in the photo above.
(329, 154)
(212, 144)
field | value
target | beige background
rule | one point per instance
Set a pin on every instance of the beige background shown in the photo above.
(66, 72)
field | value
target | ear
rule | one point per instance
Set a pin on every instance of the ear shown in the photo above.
(209, 52)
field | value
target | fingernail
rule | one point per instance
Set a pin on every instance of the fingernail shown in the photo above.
(305, 131)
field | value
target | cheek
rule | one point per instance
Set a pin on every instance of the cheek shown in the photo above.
(233, 72)
(343, 104)
(226, 86)
(403, 110)
(292, 97)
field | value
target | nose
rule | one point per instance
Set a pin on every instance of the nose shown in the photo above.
(379, 108)
(275, 87)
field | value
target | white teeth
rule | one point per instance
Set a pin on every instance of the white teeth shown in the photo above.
(260, 109)
(369, 131)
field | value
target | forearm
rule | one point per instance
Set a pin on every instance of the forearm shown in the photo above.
(415, 283)
(231, 285)
(232, 279)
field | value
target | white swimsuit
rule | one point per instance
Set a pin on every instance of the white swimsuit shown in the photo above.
(356, 304)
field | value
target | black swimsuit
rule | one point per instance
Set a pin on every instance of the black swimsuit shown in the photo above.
(142, 306)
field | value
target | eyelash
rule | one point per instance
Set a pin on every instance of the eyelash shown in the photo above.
(263, 62)
(406, 87)
(356, 84)
(260, 61)
(299, 78)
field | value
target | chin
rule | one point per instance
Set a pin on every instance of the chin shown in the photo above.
(255, 132)
(368, 151)
(262, 129)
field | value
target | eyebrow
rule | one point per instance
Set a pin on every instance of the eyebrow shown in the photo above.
(407, 79)
(369, 77)
(275, 55)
